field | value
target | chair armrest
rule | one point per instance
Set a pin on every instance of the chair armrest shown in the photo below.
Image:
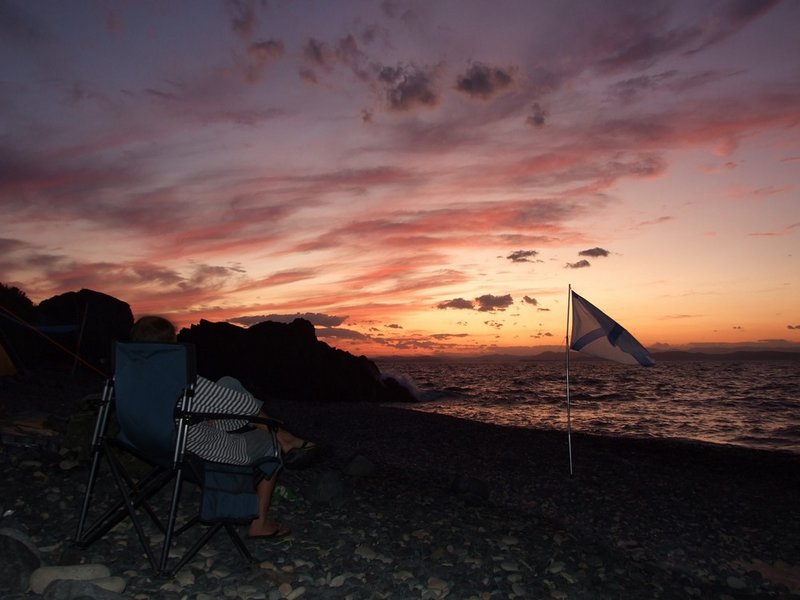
(197, 417)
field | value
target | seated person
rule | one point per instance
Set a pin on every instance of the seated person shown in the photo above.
(231, 441)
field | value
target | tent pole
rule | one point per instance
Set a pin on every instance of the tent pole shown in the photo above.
(569, 411)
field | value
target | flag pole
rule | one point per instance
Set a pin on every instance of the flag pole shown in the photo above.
(569, 412)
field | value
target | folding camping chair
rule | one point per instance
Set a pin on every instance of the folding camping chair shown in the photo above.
(150, 397)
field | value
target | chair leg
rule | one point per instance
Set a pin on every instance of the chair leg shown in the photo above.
(191, 552)
(100, 426)
(130, 507)
(173, 509)
(87, 497)
(237, 541)
(139, 493)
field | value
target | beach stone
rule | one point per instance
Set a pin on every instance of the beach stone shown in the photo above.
(44, 576)
(66, 589)
(185, 577)
(296, 593)
(366, 552)
(440, 586)
(509, 566)
(19, 558)
(555, 567)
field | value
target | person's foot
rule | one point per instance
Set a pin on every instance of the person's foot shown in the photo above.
(268, 531)
(302, 445)
(302, 456)
(289, 442)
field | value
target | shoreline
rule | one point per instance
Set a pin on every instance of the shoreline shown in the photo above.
(485, 509)
(621, 436)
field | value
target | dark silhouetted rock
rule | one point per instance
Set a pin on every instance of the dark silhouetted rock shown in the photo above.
(102, 318)
(286, 360)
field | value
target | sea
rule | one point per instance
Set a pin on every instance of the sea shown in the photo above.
(750, 403)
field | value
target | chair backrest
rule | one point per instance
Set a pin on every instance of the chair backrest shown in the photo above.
(149, 379)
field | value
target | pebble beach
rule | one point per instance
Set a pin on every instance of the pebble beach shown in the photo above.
(405, 504)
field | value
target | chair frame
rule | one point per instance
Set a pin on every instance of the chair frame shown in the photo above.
(136, 493)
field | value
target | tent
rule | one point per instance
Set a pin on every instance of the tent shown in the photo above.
(7, 366)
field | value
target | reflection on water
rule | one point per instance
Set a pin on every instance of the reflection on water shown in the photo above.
(748, 403)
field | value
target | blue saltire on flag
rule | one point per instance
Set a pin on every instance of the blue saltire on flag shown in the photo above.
(595, 333)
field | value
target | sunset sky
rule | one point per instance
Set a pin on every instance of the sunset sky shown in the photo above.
(412, 177)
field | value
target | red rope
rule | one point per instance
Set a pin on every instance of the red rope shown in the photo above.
(55, 343)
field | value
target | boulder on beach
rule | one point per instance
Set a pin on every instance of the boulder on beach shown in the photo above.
(99, 319)
(286, 360)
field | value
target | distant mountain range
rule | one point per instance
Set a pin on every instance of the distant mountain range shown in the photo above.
(667, 356)
(687, 356)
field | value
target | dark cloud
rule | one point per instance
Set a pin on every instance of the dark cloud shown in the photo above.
(630, 89)
(645, 47)
(242, 17)
(730, 18)
(594, 252)
(495, 324)
(638, 88)
(649, 38)
(393, 326)
(540, 309)
(483, 81)
(522, 255)
(260, 55)
(581, 264)
(316, 52)
(447, 336)
(320, 319)
(8, 245)
(396, 10)
(489, 302)
(537, 116)
(485, 303)
(408, 86)
(531, 301)
(266, 51)
(793, 327)
(309, 76)
(458, 303)
(323, 56)
(347, 49)
(342, 334)
(370, 33)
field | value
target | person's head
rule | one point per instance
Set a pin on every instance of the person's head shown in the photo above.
(153, 329)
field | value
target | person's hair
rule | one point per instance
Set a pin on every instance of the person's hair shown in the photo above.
(153, 329)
